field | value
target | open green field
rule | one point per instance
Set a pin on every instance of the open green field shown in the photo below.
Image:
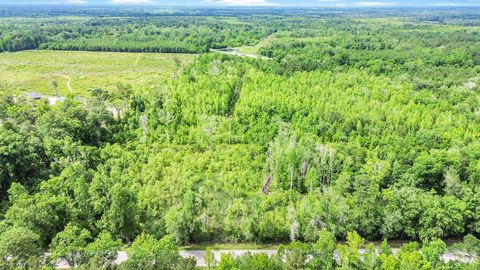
(34, 71)
(255, 48)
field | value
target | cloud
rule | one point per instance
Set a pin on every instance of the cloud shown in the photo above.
(240, 2)
(328, 3)
(131, 1)
(444, 4)
(57, 2)
(375, 4)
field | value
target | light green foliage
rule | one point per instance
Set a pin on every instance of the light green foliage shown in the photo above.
(433, 251)
(249, 261)
(370, 258)
(20, 249)
(180, 220)
(72, 186)
(403, 207)
(472, 199)
(210, 259)
(446, 214)
(44, 215)
(349, 253)
(120, 218)
(316, 212)
(102, 252)
(295, 255)
(409, 257)
(227, 262)
(258, 261)
(388, 262)
(384, 248)
(71, 245)
(148, 253)
(323, 251)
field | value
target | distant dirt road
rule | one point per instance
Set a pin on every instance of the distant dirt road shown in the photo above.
(70, 89)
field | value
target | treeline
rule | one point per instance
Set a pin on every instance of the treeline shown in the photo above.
(168, 34)
(353, 254)
(104, 46)
(79, 250)
(13, 42)
(421, 51)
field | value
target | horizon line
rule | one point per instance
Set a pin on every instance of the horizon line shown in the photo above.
(234, 6)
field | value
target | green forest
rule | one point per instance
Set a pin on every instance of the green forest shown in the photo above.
(173, 34)
(351, 128)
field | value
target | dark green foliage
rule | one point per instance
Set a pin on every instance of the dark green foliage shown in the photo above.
(21, 156)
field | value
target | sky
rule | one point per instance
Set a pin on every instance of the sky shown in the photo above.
(265, 3)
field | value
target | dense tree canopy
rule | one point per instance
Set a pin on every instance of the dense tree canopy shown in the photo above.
(355, 124)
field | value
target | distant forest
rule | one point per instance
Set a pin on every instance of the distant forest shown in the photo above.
(161, 34)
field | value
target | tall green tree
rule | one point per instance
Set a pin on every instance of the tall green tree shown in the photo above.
(20, 249)
(70, 245)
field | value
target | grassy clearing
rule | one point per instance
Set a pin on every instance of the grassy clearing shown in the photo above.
(254, 49)
(35, 70)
